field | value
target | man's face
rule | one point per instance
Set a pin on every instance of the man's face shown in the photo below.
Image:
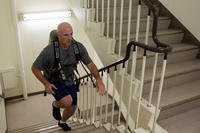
(65, 36)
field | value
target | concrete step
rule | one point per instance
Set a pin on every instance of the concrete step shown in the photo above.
(144, 12)
(168, 36)
(163, 23)
(187, 122)
(52, 127)
(126, 3)
(178, 99)
(175, 74)
(180, 52)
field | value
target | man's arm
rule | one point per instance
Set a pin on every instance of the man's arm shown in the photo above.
(48, 86)
(100, 86)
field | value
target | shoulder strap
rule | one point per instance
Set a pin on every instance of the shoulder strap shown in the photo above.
(76, 50)
(56, 53)
(57, 60)
(78, 58)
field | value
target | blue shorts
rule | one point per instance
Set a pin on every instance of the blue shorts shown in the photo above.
(64, 90)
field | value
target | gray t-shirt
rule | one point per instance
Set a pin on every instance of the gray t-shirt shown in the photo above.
(45, 61)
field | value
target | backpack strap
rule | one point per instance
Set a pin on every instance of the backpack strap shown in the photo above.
(78, 58)
(57, 60)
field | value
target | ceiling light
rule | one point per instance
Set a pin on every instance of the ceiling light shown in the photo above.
(46, 15)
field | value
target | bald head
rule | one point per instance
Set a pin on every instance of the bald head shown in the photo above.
(65, 32)
(63, 26)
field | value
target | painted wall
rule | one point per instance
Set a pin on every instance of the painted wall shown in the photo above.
(9, 55)
(187, 13)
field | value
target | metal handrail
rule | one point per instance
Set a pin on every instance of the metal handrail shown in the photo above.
(151, 7)
(160, 47)
(164, 50)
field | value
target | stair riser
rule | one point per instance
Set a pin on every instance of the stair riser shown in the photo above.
(126, 3)
(173, 81)
(144, 12)
(181, 108)
(172, 58)
(168, 39)
(162, 24)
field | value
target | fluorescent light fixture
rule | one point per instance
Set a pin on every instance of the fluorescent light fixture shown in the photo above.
(46, 15)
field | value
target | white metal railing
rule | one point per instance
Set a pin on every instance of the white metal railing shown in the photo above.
(92, 111)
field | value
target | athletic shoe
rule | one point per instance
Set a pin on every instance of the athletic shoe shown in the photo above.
(64, 126)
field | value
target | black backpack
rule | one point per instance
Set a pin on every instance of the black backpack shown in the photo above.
(58, 72)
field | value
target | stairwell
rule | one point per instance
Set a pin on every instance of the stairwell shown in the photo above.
(181, 91)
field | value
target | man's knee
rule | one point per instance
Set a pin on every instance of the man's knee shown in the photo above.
(66, 101)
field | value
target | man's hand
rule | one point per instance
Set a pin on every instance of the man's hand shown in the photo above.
(50, 88)
(100, 87)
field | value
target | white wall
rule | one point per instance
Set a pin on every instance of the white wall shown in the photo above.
(9, 55)
(187, 13)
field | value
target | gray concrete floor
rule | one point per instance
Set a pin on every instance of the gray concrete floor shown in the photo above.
(22, 113)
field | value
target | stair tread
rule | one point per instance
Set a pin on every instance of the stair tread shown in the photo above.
(179, 94)
(118, 8)
(173, 69)
(160, 32)
(175, 48)
(142, 19)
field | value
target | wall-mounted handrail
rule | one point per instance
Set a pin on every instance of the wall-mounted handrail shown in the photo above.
(164, 50)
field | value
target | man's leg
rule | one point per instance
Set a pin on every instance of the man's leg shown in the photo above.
(68, 112)
(69, 108)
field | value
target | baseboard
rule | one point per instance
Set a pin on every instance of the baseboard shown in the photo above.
(21, 96)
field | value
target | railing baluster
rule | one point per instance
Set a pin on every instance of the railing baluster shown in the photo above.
(138, 21)
(153, 78)
(95, 107)
(86, 15)
(114, 18)
(102, 17)
(120, 32)
(113, 97)
(141, 87)
(148, 27)
(88, 3)
(129, 21)
(121, 93)
(92, 4)
(130, 88)
(100, 121)
(160, 91)
(129, 28)
(97, 10)
(87, 105)
(92, 103)
(84, 99)
(107, 87)
(81, 103)
(108, 18)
